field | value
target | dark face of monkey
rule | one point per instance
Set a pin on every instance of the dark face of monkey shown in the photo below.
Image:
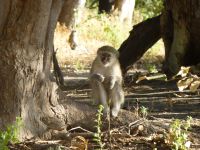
(105, 58)
(107, 55)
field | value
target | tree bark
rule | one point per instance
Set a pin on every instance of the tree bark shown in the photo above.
(57, 71)
(26, 38)
(181, 46)
(142, 37)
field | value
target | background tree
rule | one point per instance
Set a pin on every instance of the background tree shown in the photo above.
(179, 31)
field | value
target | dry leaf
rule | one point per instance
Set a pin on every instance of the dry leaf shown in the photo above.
(184, 71)
(195, 85)
(184, 83)
(80, 143)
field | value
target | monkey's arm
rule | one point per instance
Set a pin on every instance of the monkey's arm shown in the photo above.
(97, 77)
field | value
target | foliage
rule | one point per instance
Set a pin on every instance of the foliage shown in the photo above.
(149, 8)
(11, 134)
(151, 68)
(143, 111)
(98, 134)
(178, 134)
(187, 80)
(92, 3)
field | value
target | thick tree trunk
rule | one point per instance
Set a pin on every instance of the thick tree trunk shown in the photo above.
(180, 26)
(142, 37)
(71, 12)
(26, 37)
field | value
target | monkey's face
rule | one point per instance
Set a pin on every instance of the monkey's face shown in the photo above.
(107, 55)
(106, 58)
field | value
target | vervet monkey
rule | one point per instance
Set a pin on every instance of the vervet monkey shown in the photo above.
(106, 80)
(73, 41)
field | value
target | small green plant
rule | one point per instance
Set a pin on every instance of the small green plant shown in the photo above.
(151, 68)
(143, 111)
(98, 134)
(11, 134)
(79, 65)
(177, 137)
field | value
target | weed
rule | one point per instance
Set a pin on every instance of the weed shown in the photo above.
(143, 111)
(79, 65)
(151, 68)
(177, 137)
(98, 134)
(11, 134)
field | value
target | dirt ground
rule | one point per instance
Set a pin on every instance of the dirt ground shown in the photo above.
(162, 99)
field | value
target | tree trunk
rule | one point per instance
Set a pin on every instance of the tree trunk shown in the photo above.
(26, 38)
(181, 34)
(125, 9)
(71, 12)
(179, 25)
(142, 37)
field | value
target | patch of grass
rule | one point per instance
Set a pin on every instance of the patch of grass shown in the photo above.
(79, 65)
(103, 27)
(151, 68)
(177, 137)
(10, 134)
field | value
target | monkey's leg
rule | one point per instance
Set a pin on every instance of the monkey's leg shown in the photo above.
(99, 95)
(117, 99)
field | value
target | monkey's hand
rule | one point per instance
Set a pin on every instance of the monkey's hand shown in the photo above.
(98, 77)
